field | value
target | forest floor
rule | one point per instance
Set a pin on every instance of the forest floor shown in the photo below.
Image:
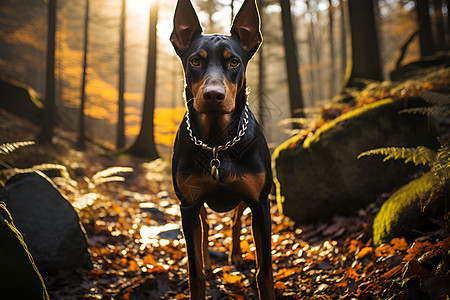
(138, 251)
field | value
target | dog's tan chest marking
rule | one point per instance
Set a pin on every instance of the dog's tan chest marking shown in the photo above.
(194, 187)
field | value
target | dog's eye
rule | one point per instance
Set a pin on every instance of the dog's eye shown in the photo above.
(234, 63)
(195, 62)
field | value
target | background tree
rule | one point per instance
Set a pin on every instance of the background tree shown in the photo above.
(210, 7)
(364, 55)
(120, 143)
(81, 116)
(295, 92)
(439, 25)
(144, 145)
(332, 56)
(425, 37)
(48, 123)
(343, 37)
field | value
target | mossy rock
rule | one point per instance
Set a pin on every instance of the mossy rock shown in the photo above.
(19, 277)
(402, 215)
(320, 177)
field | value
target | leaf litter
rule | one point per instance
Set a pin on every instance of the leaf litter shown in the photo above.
(138, 250)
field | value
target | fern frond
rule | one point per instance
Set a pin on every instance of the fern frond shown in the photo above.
(442, 164)
(109, 179)
(109, 172)
(10, 147)
(436, 98)
(299, 121)
(418, 155)
(66, 185)
(47, 167)
(443, 111)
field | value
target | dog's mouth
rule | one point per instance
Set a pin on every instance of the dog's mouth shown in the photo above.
(216, 112)
(211, 109)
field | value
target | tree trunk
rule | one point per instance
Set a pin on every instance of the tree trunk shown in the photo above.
(425, 37)
(364, 58)
(343, 38)
(46, 133)
(144, 145)
(439, 25)
(311, 54)
(232, 10)
(121, 103)
(333, 63)
(295, 92)
(81, 116)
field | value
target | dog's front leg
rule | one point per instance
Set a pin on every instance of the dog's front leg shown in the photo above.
(205, 231)
(262, 235)
(235, 253)
(192, 230)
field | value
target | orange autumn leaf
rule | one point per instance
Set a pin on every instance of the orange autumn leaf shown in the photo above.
(117, 209)
(417, 249)
(286, 272)
(232, 278)
(180, 296)
(149, 260)
(123, 262)
(126, 296)
(133, 266)
(399, 244)
(395, 270)
(384, 250)
(355, 245)
(280, 286)
(245, 246)
(364, 252)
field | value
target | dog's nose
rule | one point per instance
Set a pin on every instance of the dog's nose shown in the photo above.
(213, 93)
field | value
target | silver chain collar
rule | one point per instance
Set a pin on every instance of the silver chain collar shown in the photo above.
(215, 162)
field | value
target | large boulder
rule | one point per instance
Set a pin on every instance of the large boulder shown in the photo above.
(21, 100)
(49, 224)
(320, 176)
(402, 214)
(19, 277)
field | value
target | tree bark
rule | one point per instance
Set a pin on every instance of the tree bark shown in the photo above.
(333, 62)
(144, 145)
(121, 103)
(81, 116)
(364, 56)
(439, 25)
(343, 38)
(295, 92)
(425, 37)
(46, 134)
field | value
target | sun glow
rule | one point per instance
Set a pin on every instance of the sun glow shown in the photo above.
(138, 8)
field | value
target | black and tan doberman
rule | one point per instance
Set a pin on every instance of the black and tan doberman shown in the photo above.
(220, 154)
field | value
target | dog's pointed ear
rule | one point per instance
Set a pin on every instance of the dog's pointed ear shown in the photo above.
(185, 26)
(246, 26)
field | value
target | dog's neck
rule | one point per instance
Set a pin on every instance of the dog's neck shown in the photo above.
(217, 129)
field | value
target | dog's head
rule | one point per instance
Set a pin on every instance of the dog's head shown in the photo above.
(215, 65)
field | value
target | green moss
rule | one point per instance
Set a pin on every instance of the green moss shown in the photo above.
(401, 212)
(286, 144)
(351, 114)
